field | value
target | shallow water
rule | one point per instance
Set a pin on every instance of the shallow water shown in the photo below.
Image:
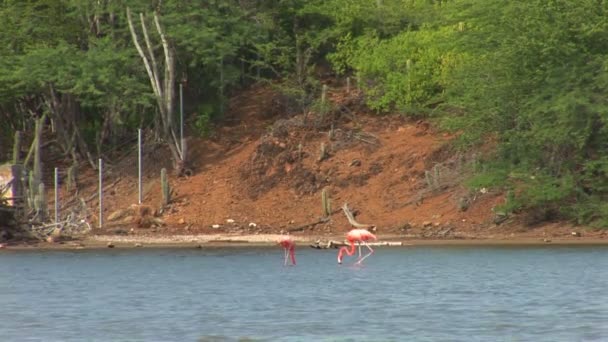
(401, 294)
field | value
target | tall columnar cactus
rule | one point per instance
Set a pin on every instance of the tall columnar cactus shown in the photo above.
(324, 94)
(17, 148)
(166, 189)
(322, 152)
(32, 188)
(437, 175)
(37, 151)
(72, 177)
(433, 179)
(40, 202)
(326, 202)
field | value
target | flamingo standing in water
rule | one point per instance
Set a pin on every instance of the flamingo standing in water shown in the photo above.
(361, 236)
(289, 246)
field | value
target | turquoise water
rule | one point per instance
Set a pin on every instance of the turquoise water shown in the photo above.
(401, 294)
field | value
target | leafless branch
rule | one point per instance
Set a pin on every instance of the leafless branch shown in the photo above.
(351, 218)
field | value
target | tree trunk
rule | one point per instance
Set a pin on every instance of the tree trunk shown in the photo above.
(163, 90)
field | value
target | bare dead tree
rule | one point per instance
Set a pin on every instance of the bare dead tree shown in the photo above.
(163, 86)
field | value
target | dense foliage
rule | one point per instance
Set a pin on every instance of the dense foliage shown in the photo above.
(528, 75)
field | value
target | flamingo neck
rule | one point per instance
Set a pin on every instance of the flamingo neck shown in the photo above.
(350, 251)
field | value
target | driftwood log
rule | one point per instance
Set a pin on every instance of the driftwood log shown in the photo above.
(337, 244)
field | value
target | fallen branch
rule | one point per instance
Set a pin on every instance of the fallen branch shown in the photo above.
(321, 220)
(351, 219)
(361, 137)
(302, 227)
(445, 232)
(327, 245)
(105, 188)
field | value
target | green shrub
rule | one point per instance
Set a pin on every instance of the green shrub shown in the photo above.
(202, 123)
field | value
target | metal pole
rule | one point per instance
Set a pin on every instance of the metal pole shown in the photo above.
(56, 195)
(139, 198)
(100, 192)
(181, 119)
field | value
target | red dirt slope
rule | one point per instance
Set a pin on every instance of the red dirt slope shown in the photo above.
(262, 168)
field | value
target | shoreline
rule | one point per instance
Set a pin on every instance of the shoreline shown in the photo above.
(267, 240)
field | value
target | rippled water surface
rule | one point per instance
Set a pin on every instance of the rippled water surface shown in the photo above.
(401, 294)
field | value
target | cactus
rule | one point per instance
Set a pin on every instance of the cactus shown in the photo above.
(17, 147)
(475, 162)
(437, 175)
(31, 190)
(40, 203)
(72, 177)
(37, 151)
(428, 178)
(300, 151)
(166, 189)
(326, 202)
(323, 152)
(433, 179)
(324, 94)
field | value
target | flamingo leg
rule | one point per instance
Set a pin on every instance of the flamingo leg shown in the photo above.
(359, 258)
(286, 256)
(371, 251)
(292, 255)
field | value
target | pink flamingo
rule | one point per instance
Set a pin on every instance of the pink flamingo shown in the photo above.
(289, 246)
(361, 236)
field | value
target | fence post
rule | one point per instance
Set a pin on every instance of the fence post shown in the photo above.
(139, 167)
(181, 120)
(56, 195)
(100, 192)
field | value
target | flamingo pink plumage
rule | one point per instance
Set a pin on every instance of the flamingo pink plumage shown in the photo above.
(361, 236)
(289, 246)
